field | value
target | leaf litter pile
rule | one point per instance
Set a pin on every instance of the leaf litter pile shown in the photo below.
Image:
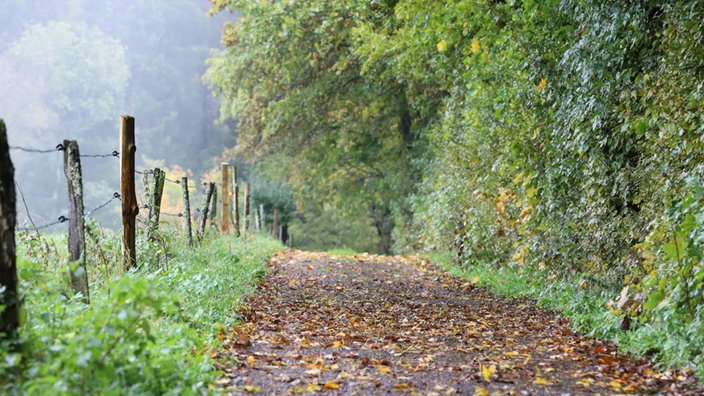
(391, 325)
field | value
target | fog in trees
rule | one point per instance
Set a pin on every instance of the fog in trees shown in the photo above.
(70, 68)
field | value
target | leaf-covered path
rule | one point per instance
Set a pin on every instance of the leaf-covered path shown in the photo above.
(380, 325)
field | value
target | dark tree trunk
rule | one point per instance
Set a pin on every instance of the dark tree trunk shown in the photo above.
(9, 298)
(384, 223)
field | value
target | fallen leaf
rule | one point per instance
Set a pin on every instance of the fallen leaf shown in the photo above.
(488, 372)
(331, 386)
(383, 369)
(402, 387)
(252, 389)
(479, 391)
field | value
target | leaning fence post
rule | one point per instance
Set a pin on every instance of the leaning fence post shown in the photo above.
(130, 208)
(76, 231)
(187, 211)
(275, 225)
(245, 221)
(225, 224)
(155, 207)
(9, 296)
(236, 197)
(204, 211)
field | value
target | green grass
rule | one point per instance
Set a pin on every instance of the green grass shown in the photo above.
(585, 302)
(342, 252)
(149, 331)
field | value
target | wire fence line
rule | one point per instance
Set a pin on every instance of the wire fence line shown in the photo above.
(61, 147)
(63, 219)
(151, 172)
(112, 154)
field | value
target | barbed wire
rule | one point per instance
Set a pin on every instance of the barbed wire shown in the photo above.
(112, 154)
(59, 147)
(151, 172)
(115, 196)
(61, 219)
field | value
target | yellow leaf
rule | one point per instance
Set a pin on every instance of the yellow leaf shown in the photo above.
(488, 372)
(331, 386)
(252, 389)
(401, 387)
(383, 369)
(587, 382)
(479, 391)
(336, 345)
(541, 381)
(475, 280)
(313, 388)
(251, 361)
(542, 84)
(442, 46)
(475, 46)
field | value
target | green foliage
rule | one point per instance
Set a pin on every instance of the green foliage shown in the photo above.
(145, 332)
(561, 137)
(290, 77)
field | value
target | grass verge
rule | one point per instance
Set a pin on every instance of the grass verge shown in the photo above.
(148, 331)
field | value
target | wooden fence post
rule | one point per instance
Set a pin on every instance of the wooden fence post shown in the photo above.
(204, 212)
(236, 197)
(275, 225)
(155, 207)
(9, 297)
(76, 231)
(187, 211)
(130, 208)
(224, 221)
(214, 207)
(245, 220)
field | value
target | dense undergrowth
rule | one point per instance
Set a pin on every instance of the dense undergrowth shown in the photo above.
(147, 331)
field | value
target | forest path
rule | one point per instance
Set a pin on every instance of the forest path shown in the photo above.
(382, 325)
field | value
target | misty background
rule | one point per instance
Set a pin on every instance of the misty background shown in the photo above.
(70, 68)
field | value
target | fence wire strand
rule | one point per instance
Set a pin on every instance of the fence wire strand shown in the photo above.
(112, 154)
(59, 147)
(63, 219)
(114, 197)
(151, 172)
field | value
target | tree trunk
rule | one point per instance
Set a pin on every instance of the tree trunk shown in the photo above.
(382, 219)
(9, 298)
